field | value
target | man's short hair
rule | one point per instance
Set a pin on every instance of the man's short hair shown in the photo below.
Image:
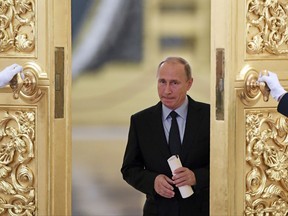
(180, 60)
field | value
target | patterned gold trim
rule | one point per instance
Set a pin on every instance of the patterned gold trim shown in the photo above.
(17, 25)
(267, 164)
(17, 174)
(267, 27)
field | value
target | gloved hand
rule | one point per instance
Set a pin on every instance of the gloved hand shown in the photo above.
(276, 90)
(8, 73)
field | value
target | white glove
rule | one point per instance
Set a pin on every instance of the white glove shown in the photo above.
(276, 90)
(8, 73)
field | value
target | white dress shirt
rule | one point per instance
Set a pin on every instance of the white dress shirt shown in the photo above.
(181, 118)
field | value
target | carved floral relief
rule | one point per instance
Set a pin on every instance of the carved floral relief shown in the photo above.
(266, 23)
(17, 165)
(17, 25)
(267, 164)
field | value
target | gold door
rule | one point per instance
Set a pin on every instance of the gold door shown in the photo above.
(35, 155)
(249, 161)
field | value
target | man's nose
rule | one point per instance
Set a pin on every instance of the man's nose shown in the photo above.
(168, 89)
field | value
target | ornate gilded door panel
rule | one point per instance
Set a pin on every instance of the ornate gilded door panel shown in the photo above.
(35, 112)
(249, 162)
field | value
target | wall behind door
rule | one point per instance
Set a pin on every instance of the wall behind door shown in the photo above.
(117, 46)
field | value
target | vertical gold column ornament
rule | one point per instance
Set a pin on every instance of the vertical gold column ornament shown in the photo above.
(267, 163)
(17, 25)
(266, 23)
(17, 163)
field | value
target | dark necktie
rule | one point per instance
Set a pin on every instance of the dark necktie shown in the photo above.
(174, 135)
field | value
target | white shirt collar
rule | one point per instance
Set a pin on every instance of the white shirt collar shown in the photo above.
(181, 111)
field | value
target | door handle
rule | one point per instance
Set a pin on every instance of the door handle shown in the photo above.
(264, 89)
(253, 89)
(27, 88)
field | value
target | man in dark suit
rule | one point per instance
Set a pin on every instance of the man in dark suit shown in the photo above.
(145, 165)
(276, 91)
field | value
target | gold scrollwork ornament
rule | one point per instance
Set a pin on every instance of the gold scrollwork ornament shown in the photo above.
(17, 184)
(266, 23)
(267, 164)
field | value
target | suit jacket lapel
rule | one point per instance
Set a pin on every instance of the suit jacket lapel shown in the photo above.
(159, 134)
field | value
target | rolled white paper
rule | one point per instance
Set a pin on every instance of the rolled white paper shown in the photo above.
(174, 163)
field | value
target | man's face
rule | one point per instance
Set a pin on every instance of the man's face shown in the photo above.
(173, 84)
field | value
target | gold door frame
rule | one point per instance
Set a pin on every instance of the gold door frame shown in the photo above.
(248, 163)
(35, 116)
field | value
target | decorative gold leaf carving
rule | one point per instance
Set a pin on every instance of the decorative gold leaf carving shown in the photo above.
(17, 189)
(255, 181)
(6, 187)
(267, 164)
(267, 27)
(273, 190)
(17, 25)
(7, 151)
(4, 171)
(2, 208)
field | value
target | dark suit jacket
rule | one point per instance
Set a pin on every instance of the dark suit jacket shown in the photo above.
(283, 105)
(146, 157)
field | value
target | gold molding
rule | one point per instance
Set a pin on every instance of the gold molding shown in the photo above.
(266, 27)
(267, 163)
(17, 163)
(28, 89)
(17, 26)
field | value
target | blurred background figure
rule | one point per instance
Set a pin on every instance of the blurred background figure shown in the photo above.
(117, 45)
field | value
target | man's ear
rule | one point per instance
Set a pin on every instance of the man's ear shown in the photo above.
(190, 82)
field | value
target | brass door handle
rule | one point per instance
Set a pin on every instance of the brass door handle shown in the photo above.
(252, 82)
(27, 88)
(265, 90)
(253, 88)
